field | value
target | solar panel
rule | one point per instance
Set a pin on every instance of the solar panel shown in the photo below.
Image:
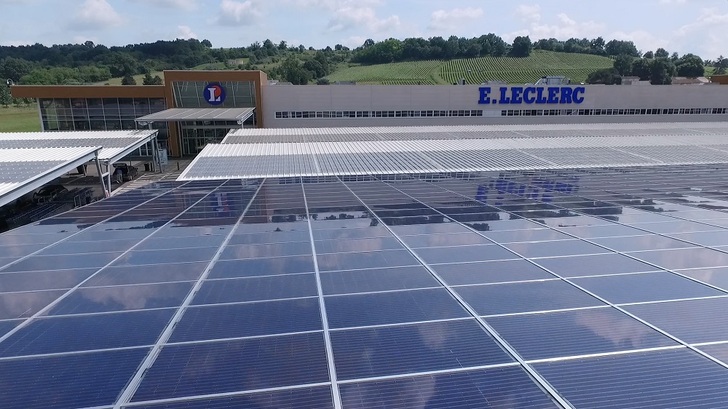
(534, 288)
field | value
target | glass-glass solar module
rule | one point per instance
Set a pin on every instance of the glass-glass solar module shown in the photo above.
(581, 288)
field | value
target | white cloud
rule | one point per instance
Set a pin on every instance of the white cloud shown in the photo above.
(706, 33)
(334, 4)
(95, 15)
(529, 12)
(452, 19)
(561, 27)
(709, 17)
(235, 13)
(351, 14)
(673, 1)
(350, 17)
(185, 33)
(174, 4)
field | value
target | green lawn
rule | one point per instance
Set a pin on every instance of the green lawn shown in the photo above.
(19, 119)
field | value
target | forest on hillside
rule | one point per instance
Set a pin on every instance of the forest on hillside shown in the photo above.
(90, 63)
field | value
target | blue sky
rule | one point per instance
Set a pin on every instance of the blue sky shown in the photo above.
(696, 26)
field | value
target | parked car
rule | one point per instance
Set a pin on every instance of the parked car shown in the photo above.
(127, 171)
(48, 193)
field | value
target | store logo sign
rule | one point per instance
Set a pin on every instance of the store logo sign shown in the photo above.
(532, 95)
(214, 94)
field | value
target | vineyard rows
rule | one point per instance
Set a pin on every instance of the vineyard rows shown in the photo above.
(411, 72)
(477, 70)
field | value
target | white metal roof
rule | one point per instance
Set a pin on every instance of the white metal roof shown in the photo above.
(115, 144)
(198, 114)
(619, 145)
(24, 170)
(266, 135)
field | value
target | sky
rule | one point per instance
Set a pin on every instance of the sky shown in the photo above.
(684, 26)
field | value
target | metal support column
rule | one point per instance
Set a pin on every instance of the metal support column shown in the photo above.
(155, 156)
(101, 175)
(108, 178)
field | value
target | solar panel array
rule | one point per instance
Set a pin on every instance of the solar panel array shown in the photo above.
(585, 288)
(115, 144)
(472, 153)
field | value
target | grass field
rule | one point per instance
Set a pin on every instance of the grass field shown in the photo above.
(19, 119)
(138, 78)
(477, 70)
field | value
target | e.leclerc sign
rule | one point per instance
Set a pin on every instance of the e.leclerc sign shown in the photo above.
(214, 94)
(532, 95)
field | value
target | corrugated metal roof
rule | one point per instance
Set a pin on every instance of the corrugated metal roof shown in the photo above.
(622, 145)
(472, 132)
(198, 114)
(115, 144)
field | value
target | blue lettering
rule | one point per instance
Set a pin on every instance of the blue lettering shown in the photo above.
(503, 98)
(484, 95)
(566, 94)
(533, 95)
(528, 95)
(553, 95)
(516, 95)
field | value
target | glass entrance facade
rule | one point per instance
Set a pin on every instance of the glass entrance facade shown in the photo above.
(191, 94)
(196, 135)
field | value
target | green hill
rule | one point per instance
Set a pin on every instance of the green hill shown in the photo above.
(476, 70)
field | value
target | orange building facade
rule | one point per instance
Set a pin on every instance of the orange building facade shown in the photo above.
(108, 107)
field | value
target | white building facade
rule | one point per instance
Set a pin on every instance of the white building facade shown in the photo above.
(287, 106)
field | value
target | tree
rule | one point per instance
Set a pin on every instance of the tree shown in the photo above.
(5, 97)
(206, 43)
(128, 80)
(14, 69)
(607, 76)
(293, 72)
(521, 47)
(623, 64)
(650, 55)
(315, 68)
(617, 47)
(641, 68)
(661, 72)
(721, 65)
(690, 65)
(596, 46)
(661, 53)
(149, 80)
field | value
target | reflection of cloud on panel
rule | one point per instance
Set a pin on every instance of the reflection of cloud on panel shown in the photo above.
(411, 393)
(136, 296)
(17, 305)
(621, 331)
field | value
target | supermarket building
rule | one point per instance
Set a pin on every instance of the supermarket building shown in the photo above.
(194, 108)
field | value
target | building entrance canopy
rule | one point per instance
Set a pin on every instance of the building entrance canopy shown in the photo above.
(198, 114)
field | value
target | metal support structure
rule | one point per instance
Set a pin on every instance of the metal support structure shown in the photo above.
(101, 175)
(108, 179)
